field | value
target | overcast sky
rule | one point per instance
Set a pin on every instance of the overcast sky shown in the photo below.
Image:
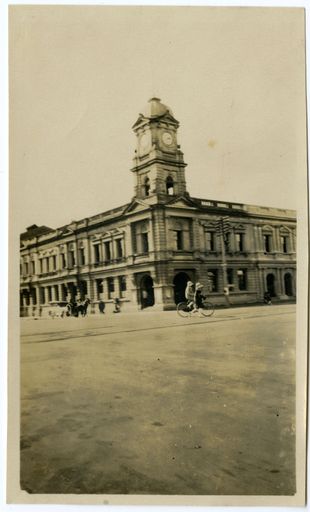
(234, 79)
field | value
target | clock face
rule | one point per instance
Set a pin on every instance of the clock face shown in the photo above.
(167, 138)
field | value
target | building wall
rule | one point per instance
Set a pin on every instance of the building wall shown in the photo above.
(166, 242)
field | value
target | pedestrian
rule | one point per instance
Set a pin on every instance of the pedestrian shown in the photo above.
(189, 294)
(101, 306)
(267, 298)
(117, 307)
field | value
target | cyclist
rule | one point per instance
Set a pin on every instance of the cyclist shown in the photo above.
(198, 297)
(190, 294)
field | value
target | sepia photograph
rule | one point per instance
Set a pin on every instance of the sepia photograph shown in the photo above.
(158, 288)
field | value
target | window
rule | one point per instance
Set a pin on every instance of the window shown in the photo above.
(239, 239)
(71, 256)
(122, 285)
(210, 245)
(119, 248)
(147, 187)
(107, 251)
(230, 276)
(110, 287)
(139, 232)
(54, 261)
(63, 260)
(42, 295)
(41, 265)
(284, 243)
(26, 268)
(97, 253)
(99, 286)
(213, 280)
(145, 242)
(49, 293)
(81, 256)
(47, 263)
(241, 274)
(267, 243)
(169, 186)
(178, 239)
(56, 292)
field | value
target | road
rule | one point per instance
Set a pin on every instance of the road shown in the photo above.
(151, 403)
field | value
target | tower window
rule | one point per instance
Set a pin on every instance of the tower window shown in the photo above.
(169, 186)
(147, 186)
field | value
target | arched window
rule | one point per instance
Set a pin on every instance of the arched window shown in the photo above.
(147, 186)
(169, 186)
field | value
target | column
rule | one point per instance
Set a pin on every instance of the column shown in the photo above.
(117, 291)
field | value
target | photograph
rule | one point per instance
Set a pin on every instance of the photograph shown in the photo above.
(157, 313)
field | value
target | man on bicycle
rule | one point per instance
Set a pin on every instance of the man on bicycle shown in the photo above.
(198, 297)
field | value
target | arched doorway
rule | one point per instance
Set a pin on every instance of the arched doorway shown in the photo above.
(270, 281)
(180, 282)
(147, 292)
(288, 287)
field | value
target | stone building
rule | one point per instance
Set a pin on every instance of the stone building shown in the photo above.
(145, 251)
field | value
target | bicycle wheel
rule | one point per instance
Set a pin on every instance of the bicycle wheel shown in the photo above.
(207, 309)
(182, 309)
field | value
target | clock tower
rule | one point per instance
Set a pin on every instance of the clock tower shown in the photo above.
(158, 161)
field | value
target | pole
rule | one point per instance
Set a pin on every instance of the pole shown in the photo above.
(224, 263)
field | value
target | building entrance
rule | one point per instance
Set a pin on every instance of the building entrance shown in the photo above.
(288, 285)
(147, 292)
(271, 285)
(180, 282)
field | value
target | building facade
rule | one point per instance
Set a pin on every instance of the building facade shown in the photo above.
(144, 252)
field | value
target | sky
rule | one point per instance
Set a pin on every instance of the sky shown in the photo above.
(80, 76)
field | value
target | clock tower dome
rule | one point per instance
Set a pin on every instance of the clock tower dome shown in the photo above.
(158, 161)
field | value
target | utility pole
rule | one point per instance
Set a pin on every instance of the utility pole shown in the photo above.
(223, 228)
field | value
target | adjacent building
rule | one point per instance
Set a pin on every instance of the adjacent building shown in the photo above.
(145, 251)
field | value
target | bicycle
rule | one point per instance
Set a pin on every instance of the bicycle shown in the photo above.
(184, 310)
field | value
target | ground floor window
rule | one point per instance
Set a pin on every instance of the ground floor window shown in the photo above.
(99, 287)
(122, 285)
(230, 276)
(242, 279)
(110, 287)
(213, 280)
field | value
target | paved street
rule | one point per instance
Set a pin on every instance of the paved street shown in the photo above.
(151, 403)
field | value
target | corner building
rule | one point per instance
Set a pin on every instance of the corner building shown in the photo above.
(144, 252)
